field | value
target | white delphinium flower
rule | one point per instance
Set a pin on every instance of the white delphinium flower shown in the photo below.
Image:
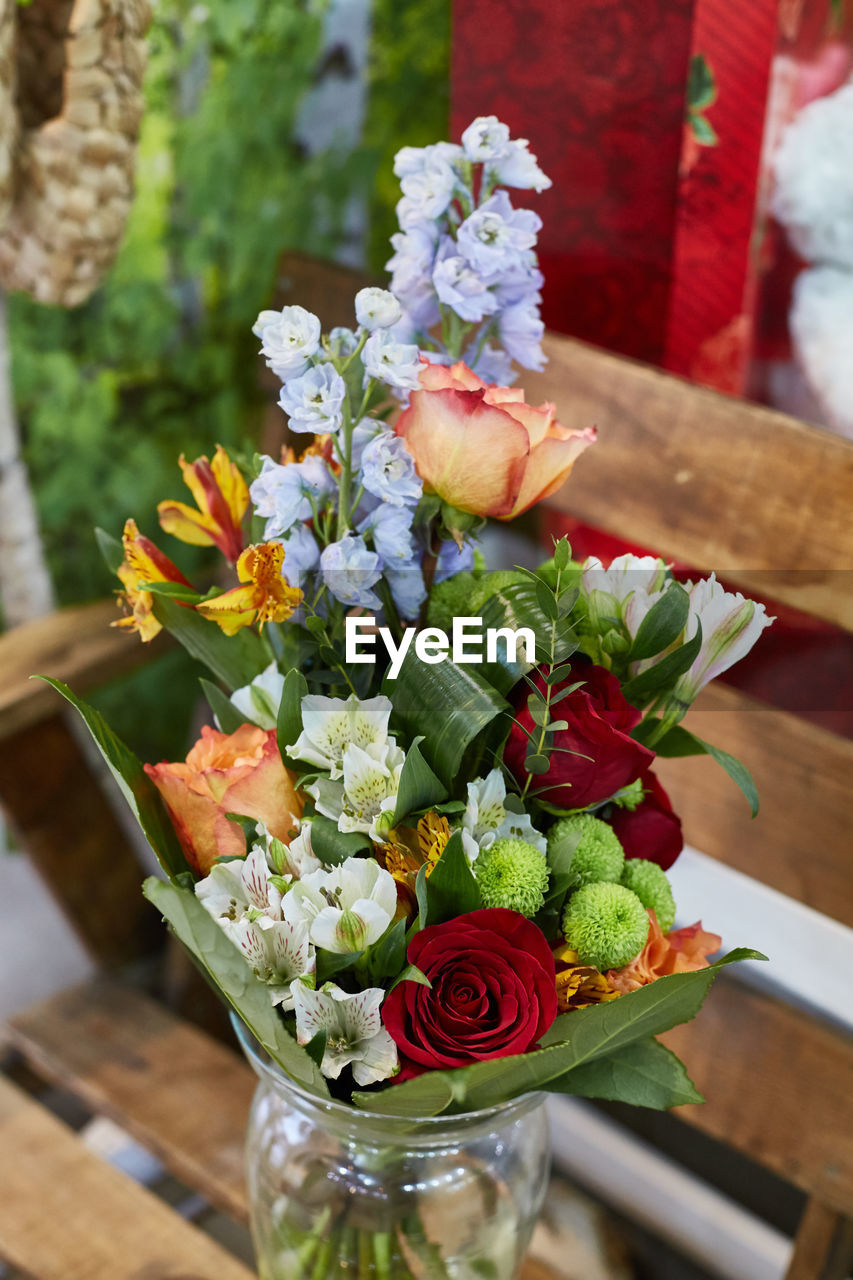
(354, 1031)
(260, 700)
(289, 338)
(330, 725)
(518, 167)
(731, 624)
(397, 364)
(486, 138)
(366, 798)
(486, 817)
(348, 907)
(376, 309)
(495, 236)
(314, 400)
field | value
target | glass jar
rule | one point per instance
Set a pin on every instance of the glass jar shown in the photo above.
(336, 1191)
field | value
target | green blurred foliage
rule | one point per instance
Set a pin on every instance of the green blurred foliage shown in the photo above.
(161, 360)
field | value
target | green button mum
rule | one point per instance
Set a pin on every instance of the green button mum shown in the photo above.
(606, 924)
(512, 873)
(598, 854)
(651, 886)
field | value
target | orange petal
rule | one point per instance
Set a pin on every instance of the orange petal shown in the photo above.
(232, 486)
(457, 377)
(549, 466)
(472, 454)
(232, 610)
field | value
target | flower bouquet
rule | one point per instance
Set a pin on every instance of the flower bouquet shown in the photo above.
(421, 849)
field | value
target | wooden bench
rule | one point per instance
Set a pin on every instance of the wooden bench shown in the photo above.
(717, 482)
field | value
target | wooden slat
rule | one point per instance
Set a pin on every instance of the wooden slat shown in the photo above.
(800, 842)
(778, 1087)
(76, 645)
(717, 482)
(824, 1245)
(183, 1095)
(63, 820)
(66, 1215)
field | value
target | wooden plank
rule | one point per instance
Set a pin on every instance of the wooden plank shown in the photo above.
(76, 645)
(65, 1215)
(800, 841)
(717, 482)
(62, 818)
(181, 1094)
(823, 1249)
(778, 1087)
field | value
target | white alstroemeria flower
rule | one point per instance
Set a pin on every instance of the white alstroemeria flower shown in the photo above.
(354, 1031)
(731, 624)
(348, 907)
(278, 951)
(626, 576)
(290, 861)
(330, 725)
(260, 700)
(487, 819)
(517, 826)
(366, 798)
(239, 888)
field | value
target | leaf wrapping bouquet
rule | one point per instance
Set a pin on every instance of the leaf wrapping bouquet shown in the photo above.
(422, 850)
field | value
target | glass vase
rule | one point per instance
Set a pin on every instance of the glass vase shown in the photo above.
(335, 1191)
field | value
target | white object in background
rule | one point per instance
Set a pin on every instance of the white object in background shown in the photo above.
(810, 955)
(821, 323)
(653, 1191)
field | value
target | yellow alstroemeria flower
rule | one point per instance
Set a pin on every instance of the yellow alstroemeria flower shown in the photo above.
(143, 562)
(579, 985)
(221, 497)
(263, 597)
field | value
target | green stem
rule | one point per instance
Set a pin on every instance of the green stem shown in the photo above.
(382, 1254)
(543, 728)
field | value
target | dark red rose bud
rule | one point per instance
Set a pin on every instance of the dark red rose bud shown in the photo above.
(493, 992)
(595, 756)
(652, 830)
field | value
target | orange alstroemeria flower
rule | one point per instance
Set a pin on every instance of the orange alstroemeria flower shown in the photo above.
(221, 497)
(681, 951)
(481, 448)
(239, 772)
(143, 562)
(263, 597)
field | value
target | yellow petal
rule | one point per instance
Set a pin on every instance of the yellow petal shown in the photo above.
(233, 487)
(186, 524)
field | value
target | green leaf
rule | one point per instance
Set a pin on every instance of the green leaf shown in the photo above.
(386, 957)
(332, 846)
(419, 787)
(411, 973)
(703, 131)
(176, 591)
(290, 713)
(432, 1096)
(516, 606)
(574, 1039)
(451, 889)
(701, 87)
(136, 787)
(230, 974)
(235, 660)
(316, 1047)
(662, 625)
(331, 962)
(449, 704)
(110, 548)
(680, 742)
(663, 674)
(230, 719)
(644, 1074)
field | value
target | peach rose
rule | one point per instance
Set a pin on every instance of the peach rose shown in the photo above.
(483, 449)
(678, 952)
(239, 772)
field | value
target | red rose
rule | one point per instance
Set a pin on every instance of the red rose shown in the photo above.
(595, 757)
(493, 992)
(652, 831)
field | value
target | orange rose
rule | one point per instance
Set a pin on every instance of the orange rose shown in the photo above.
(239, 772)
(678, 952)
(483, 449)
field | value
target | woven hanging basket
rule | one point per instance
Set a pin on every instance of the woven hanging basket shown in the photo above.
(78, 66)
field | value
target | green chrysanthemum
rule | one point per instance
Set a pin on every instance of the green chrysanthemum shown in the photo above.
(606, 924)
(512, 873)
(450, 599)
(652, 888)
(492, 582)
(598, 855)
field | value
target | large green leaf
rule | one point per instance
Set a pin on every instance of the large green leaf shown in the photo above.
(290, 714)
(136, 787)
(680, 742)
(231, 975)
(516, 606)
(663, 675)
(235, 660)
(576, 1038)
(419, 787)
(230, 719)
(332, 846)
(451, 889)
(449, 705)
(644, 1074)
(662, 625)
(110, 548)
